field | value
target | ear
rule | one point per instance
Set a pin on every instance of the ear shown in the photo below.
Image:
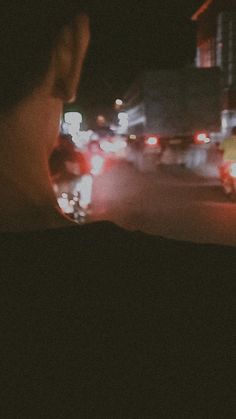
(69, 56)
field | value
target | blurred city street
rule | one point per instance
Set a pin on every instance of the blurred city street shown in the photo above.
(172, 201)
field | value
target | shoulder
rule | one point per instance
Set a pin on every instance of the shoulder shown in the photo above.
(106, 234)
(156, 253)
(107, 246)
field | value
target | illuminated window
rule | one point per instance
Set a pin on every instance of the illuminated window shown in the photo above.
(206, 54)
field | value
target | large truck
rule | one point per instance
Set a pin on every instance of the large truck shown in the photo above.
(173, 103)
(179, 107)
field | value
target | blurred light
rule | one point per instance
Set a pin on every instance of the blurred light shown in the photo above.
(106, 146)
(83, 138)
(119, 102)
(202, 138)
(119, 145)
(73, 120)
(65, 127)
(233, 169)
(114, 147)
(94, 136)
(123, 116)
(65, 205)
(55, 188)
(135, 111)
(140, 120)
(101, 120)
(151, 141)
(97, 163)
(224, 122)
(123, 122)
(133, 137)
(84, 186)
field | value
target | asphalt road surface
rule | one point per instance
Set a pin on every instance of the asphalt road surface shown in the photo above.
(171, 202)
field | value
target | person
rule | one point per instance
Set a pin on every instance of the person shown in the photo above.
(96, 321)
(68, 167)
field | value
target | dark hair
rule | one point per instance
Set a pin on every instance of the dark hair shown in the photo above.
(234, 131)
(28, 31)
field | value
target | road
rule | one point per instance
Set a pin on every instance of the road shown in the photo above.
(172, 202)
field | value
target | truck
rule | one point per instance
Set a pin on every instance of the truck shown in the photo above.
(179, 107)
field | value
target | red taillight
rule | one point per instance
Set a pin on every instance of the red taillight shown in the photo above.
(202, 138)
(152, 141)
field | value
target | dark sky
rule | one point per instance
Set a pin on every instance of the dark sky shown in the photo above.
(129, 36)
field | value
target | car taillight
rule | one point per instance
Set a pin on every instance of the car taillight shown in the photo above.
(202, 138)
(152, 141)
(233, 169)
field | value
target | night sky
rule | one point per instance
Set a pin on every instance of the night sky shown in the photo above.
(129, 36)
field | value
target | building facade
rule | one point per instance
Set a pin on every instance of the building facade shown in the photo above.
(216, 47)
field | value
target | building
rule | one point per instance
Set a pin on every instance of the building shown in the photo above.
(215, 23)
(216, 47)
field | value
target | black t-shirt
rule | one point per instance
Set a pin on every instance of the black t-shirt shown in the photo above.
(98, 322)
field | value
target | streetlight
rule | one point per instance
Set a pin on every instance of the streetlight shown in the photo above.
(119, 102)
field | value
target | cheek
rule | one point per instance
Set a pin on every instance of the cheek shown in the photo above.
(52, 138)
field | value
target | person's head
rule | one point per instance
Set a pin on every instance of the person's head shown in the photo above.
(42, 48)
(233, 131)
(35, 34)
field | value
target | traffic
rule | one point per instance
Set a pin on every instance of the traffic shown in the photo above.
(79, 160)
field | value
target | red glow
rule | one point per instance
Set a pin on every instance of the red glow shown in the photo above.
(152, 141)
(202, 9)
(202, 138)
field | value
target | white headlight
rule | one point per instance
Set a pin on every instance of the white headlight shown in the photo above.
(233, 169)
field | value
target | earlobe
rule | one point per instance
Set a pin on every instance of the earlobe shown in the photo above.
(69, 57)
(62, 90)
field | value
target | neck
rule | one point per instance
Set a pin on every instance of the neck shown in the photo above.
(27, 139)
